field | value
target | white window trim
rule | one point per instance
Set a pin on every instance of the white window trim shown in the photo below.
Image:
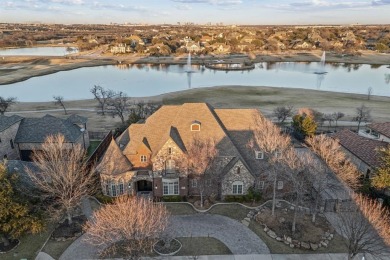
(197, 124)
(259, 155)
(172, 185)
(238, 184)
(260, 185)
(280, 185)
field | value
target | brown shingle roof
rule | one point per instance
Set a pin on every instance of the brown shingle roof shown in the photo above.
(113, 161)
(363, 148)
(230, 128)
(382, 128)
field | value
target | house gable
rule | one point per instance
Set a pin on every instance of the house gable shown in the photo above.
(169, 151)
(236, 172)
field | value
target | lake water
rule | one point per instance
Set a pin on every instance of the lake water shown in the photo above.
(37, 51)
(150, 80)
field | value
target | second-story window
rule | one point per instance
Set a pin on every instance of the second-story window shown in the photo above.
(169, 150)
(143, 158)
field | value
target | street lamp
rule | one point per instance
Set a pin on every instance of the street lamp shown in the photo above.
(82, 131)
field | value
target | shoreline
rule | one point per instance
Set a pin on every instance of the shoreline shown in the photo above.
(35, 66)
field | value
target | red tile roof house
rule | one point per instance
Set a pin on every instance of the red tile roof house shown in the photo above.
(378, 131)
(362, 151)
(146, 157)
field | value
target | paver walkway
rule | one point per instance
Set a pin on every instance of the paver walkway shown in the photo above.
(237, 237)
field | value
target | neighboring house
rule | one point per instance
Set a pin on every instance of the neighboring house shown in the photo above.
(120, 48)
(362, 151)
(9, 126)
(20, 136)
(148, 157)
(378, 131)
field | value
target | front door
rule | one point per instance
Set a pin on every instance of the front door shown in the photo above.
(144, 186)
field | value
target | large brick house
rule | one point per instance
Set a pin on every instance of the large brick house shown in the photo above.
(146, 158)
(20, 136)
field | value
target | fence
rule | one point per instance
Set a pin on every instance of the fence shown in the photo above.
(337, 205)
(97, 135)
(99, 151)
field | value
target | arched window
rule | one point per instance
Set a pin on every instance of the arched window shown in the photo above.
(238, 187)
(195, 126)
(120, 187)
(170, 166)
(113, 189)
(106, 187)
(238, 169)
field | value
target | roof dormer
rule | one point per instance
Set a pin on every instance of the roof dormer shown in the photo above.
(195, 125)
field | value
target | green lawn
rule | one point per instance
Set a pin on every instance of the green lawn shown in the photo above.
(179, 209)
(29, 246)
(195, 246)
(92, 146)
(233, 211)
(56, 248)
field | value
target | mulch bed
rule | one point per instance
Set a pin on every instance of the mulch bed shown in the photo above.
(305, 230)
(12, 245)
(65, 231)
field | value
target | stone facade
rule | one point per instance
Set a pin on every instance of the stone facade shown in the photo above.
(6, 137)
(239, 173)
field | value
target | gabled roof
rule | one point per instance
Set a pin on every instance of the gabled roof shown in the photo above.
(7, 121)
(76, 119)
(113, 161)
(363, 148)
(382, 128)
(174, 122)
(238, 123)
(35, 130)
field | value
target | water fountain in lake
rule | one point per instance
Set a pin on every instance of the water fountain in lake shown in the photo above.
(189, 65)
(322, 65)
(189, 70)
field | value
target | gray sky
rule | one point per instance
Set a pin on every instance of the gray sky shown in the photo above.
(197, 11)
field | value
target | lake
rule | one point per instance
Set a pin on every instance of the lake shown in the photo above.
(148, 80)
(37, 51)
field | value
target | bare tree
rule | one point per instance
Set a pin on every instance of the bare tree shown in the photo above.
(141, 110)
(102, 96)
(63, 177)
(363, 114)
(369, 93)
(200, 156)
(329, 118)
(296, 166)
(130, 222)
(282, 112)
(366, 228)
(319, 178)
(59, 100)
(331, 153)
(337, 116)
(268, 138)
(5, 103)
(118, 105)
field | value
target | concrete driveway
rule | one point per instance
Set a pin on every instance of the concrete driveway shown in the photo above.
(237, 237)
